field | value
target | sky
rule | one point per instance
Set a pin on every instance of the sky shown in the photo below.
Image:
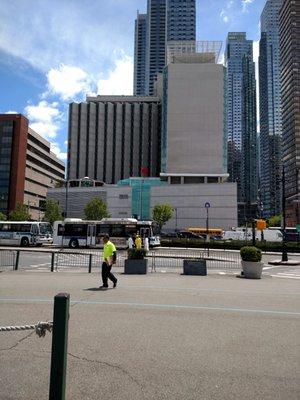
(54, 52)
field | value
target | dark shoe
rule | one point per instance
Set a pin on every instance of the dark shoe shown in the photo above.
(103, 287)
(115, 284)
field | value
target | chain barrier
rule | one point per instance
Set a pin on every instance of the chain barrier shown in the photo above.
(40, 328)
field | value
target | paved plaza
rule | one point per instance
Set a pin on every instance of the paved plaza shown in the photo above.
(160, 336)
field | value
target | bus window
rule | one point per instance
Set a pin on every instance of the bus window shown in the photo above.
(102, 230)
(75, 230)
(4, 227)
(118, 231)
(22, 228)
(45, 229)
(60, 230)
(130, 230)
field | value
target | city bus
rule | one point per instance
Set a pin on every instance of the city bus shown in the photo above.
(25, 233)
(203, 231)
(76, 233)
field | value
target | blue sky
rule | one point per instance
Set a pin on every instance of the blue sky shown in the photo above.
(53, 52)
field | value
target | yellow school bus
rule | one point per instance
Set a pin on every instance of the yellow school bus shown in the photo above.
(203, 231)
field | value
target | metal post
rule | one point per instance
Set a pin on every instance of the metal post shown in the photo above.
(284, 256)
(17, 260)
(207, 229)
(141, 199)
(59, 347)
(90, 262)
(253, 232)
(67, 193)
(52, 261)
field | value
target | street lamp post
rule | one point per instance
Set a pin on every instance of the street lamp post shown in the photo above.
(207, 206)
(175, 209)
(67, 194)
(284, 256)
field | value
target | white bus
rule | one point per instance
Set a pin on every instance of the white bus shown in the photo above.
(80, 233)
(25, 233)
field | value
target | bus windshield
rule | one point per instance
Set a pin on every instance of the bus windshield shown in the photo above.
(45, 229)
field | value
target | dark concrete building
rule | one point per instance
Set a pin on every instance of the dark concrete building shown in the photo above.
(289, 27)
(114, 137)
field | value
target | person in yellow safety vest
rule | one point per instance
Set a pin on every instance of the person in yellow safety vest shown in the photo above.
(138, 241)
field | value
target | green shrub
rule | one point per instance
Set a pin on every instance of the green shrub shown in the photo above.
(250, 253)
(136, 254)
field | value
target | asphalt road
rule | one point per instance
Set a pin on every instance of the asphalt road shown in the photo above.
(41, 261)
(160, 336)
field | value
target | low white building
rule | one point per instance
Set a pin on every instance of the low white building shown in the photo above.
(136, 197)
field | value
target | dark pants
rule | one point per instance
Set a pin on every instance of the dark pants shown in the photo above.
(107, 274)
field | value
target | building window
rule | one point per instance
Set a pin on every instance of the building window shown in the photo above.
(212, 179)
(175, 180)
(193, 179)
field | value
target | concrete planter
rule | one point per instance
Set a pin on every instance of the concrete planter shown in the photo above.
(252, 270)
(194, 267)
(136, 266)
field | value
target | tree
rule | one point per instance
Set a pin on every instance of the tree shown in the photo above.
(96, 209)
(52, 211)
(162, 213)
(20, 213)
(2, 217)
(275, 220)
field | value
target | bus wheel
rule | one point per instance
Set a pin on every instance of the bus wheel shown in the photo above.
(24, 242)
(73, 244)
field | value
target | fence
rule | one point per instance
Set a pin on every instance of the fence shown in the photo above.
(159, 260)
(172, 259)
(7, 258)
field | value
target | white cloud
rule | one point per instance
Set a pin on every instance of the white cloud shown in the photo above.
(68, 82)
(44, 118)
(222, 59)
(246, 3)
(69, 32)
(57, 151)
(119, 80)
(224, 17)
(11, 112)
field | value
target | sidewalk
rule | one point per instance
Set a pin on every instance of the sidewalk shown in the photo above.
(160, 336)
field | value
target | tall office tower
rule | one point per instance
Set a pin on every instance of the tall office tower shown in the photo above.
(241, 122)
(156, 41)
(114, 137)
(181, 20)
(270, 110)
(166, 21)
(289, 28)
(140, 52)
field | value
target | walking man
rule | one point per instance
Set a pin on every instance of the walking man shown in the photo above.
(110, 257)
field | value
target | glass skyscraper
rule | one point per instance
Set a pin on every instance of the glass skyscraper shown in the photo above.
(241, 122)
(166, 20)
(140, 54)
(181, 20)
(270, 109)
(156, 41)
(289, 24)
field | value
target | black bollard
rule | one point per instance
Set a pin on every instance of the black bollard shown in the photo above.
(59, 347)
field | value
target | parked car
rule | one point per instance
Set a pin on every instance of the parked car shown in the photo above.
(188, 235)
(168, 234)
